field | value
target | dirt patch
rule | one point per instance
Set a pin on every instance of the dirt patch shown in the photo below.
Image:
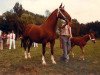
(27, 71)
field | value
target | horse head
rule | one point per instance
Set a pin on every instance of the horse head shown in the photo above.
(92, 37)
(62, 14)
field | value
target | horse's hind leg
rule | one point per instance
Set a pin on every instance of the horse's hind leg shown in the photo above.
(52, 49)
(25, 47)
(43, 53)
(29, 46)
(82, 53)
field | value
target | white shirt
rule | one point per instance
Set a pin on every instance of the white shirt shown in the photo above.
(66, 30)
(12, 36)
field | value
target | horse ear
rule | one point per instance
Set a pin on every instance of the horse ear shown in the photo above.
(60, 5)
(63, 6)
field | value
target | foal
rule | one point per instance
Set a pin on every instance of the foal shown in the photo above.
(81, 42)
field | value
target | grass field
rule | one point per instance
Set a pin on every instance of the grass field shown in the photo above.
(12, 62)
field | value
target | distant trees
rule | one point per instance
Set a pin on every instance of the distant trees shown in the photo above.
(75, 27)
(47, 12)
(13, 19)
(18, 9)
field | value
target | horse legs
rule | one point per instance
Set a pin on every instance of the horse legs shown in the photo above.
(25, 47)
(29, 46)
(82, 53)
(43, 53)
(72, 53)
(26, 43)
(52, 46)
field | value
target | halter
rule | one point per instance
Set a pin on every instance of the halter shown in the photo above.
(91, 38)
(59, 11)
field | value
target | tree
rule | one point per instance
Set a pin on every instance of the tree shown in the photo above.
(75, 27)
(47, 13)
(18, 9)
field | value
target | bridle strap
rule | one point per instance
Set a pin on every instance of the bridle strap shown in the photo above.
(60, 13)
(91, 38)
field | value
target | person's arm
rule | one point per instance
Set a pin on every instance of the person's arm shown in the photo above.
(70, 32)
(63, 26)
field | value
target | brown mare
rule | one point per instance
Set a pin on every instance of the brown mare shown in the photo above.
(81, 42)
(44, 33)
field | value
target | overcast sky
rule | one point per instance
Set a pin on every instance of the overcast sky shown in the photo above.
(82, 10)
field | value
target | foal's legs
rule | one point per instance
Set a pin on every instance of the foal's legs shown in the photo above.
(52, 49)
(82, 53)
(72, 53)
(43, 53)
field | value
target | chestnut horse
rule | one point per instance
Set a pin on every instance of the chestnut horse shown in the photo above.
(81, 42)
(44, 33)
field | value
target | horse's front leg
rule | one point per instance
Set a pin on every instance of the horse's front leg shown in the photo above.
(43, 53)
(72, 53)
(25, 47)
(82, 53)
(29, 46)
(52, 51)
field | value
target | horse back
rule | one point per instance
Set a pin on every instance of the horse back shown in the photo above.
(38, 33)
(78, 41)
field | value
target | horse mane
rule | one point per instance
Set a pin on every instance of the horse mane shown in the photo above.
(50, 15)
(86, 37)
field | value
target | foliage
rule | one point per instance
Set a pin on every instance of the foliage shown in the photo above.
(75, 27)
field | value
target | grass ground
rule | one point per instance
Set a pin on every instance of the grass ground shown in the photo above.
(12, 62)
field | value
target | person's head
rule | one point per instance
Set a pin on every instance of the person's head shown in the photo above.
(12, 31)
(63, 21)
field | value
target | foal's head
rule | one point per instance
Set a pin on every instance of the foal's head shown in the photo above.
(92, 37)
(62, 14)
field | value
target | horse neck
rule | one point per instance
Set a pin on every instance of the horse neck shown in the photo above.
(51, 21)
(86, 38)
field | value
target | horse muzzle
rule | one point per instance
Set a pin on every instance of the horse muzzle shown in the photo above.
(93, 40)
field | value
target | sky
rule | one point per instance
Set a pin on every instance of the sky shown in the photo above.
(82, 10)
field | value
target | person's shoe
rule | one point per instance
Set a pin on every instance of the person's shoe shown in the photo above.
(67, 57)
(66, 61)
(62, 58)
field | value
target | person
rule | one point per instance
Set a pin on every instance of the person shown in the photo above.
(12, 37)
(35, 44)
(4, 37)
(1, 41)
(8, 39)
(66, 34)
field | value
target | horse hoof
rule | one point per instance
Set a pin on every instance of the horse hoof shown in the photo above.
(25, 57)
(83, 59)
(43, 63)
(54, 62)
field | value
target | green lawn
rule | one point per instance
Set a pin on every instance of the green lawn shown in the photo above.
(12, 62)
